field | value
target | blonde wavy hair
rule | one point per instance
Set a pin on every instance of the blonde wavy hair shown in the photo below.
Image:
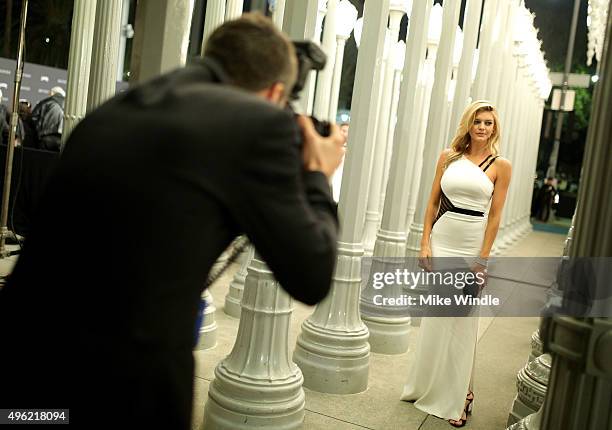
(461, 141)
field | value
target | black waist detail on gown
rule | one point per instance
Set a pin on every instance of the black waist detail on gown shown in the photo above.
(447, 206)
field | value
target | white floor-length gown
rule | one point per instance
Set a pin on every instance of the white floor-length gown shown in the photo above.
(441, 374)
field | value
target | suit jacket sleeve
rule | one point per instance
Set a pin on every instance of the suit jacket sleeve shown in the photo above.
(289, 215)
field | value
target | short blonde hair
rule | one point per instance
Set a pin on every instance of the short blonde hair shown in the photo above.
(461, 141)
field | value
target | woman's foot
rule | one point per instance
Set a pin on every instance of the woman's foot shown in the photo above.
(466, 410)
(460, 422)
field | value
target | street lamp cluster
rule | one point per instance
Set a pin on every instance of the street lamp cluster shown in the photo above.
(407, 99)
(596, 23)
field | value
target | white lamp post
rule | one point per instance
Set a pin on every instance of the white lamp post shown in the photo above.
(324, 80)
(332, 349)
(426, 80)
(347, 17)
(457, 50)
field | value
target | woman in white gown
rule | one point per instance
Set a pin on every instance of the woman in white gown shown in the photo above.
(470, 178)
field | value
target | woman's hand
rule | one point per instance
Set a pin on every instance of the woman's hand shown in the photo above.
(480, 272)
(425, 258)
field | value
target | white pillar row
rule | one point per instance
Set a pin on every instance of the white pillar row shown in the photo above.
(257, 385)
(213, 18)
(389, 331)
(527, 117)
(435, 135)
(513, 146)
(381, 128)
(423, 101)
(524, 122)
(471, 21)
(105, 53)
(509, 141)
(517, 230)
(525, 219)
(233, 9)
(523, 224)
(526, 170)
(332, 349)
(499, 33)
(79, 63)
(324, 82)
(233, 298)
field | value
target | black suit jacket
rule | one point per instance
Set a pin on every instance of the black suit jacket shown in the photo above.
(99, 312)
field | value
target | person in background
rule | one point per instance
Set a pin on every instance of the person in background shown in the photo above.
(48, 118)
(28, 129)
(546, 196)
(4, 122)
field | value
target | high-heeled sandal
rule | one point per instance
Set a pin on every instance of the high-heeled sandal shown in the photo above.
(466, 411)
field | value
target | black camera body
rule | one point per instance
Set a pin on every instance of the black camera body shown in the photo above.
(310, 57)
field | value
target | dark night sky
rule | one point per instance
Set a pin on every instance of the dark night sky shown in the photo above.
(553, 18)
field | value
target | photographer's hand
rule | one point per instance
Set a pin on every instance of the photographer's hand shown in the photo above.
(323, 154)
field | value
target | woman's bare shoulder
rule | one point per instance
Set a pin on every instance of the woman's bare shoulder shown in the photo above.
(503, 163)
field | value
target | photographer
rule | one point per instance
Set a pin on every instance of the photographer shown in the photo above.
(98, 314)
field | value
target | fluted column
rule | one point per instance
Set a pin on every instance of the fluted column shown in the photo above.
(511, 141)
(389, 326)
(526, 117)
(399, 54)
(499, 34)
(233, 9)
(517, 219)
(423, 100)
(526, 216)
(372, 217)
(236, 288)
(214, 17)
(484, 50)
(105, 53)
(471, 20)
(257, 385)
(384, 126)
(435, 135)
(332, 350)
(324, 82)
(79, 63)
(161, 38)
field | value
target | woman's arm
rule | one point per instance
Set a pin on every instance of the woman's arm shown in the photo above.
(432, 207)
(504, 172)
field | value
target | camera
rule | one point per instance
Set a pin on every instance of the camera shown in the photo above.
(310, 57)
